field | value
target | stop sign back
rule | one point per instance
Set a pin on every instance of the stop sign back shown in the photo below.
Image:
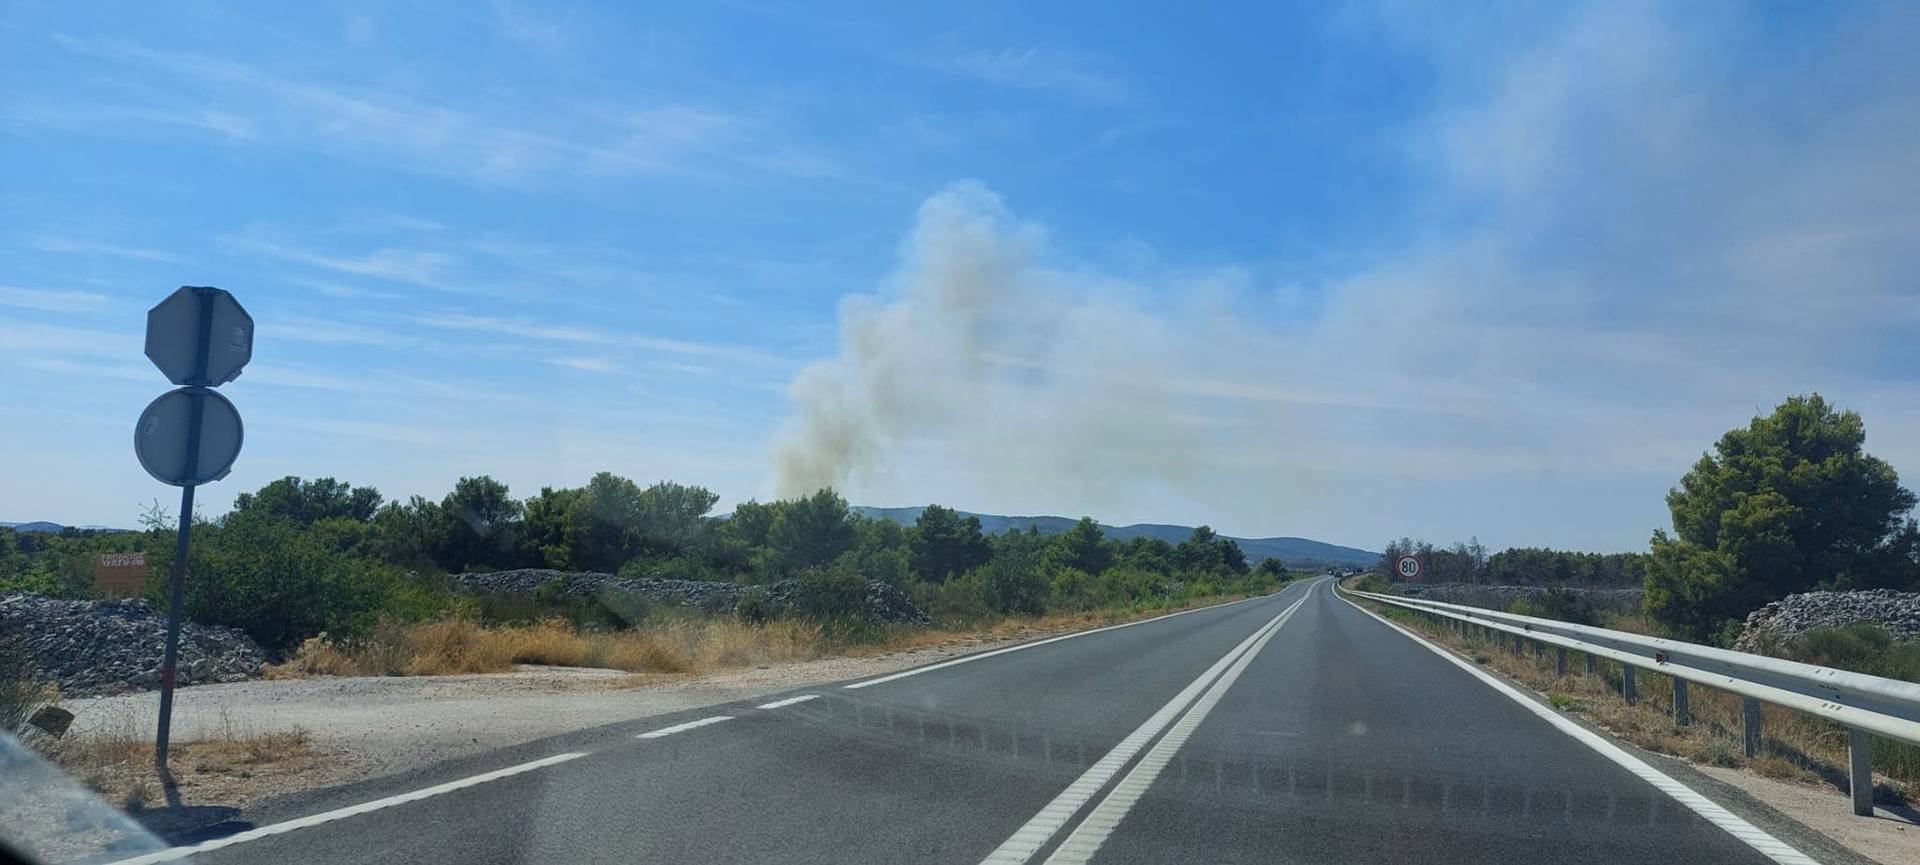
(178, 325)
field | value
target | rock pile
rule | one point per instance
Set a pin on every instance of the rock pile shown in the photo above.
(1502, 597)
(112, 647)
(1789, 617)
(884, 602)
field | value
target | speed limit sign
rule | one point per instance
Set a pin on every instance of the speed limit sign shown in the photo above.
(1409, 567)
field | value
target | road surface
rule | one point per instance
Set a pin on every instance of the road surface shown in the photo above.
(1289, 728)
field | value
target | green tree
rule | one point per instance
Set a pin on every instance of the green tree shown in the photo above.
(1788, 503)
(1147, 554)
(482, 525)
(879, 551)
(409, 532)
(549, 534)
(943, 545)
(1083, 548)
(809, 532)
(308, 502)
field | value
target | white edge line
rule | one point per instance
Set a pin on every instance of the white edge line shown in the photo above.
(983, 655)
(781, 704)
(680, 728)
(173, 853)
(1100, 823)
(1038, 830)
(1735, 825)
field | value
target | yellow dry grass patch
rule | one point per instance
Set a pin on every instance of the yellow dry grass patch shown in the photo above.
(230, 766)
(455, 646)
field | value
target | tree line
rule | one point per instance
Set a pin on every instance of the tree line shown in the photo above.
(298, 557)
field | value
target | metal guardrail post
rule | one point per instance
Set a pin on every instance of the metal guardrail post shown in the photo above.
(1680, 713)
(1627, 690)
(1559, 661)
(1593, 664)
(1750, 725)
(1860, 770)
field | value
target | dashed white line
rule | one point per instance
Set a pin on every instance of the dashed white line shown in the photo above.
(681, 728)
(1029, 838)
(173, 853)
(781, 704)
(984, 655)
(1769, 846)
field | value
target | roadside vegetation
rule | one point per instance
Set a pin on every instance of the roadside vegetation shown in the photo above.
(1790, 503)
(331, 578)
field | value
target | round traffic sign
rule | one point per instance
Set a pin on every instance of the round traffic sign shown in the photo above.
(1409, 567)
(160, 439)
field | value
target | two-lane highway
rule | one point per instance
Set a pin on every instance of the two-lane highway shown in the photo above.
(1293, 727)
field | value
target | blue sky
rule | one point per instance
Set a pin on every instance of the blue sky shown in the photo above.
(1345, 272)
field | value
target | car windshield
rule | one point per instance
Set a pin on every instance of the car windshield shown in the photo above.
(994, 432)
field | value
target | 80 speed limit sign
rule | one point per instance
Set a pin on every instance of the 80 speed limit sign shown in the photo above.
(1409, 567)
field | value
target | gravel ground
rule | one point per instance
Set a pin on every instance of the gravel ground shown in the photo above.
(1890, 836)
(376, 726)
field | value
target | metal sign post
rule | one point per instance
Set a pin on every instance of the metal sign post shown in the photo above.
(200, 337)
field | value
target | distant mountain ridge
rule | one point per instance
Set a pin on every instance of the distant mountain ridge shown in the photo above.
(1294, 552)
(53, 528)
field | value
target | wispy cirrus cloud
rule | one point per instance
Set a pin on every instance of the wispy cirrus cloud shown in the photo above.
(461, 321)
(585, 364)
(493, 143)
(518, 23)
(47, 300)
(1075, 75)
(84, 246)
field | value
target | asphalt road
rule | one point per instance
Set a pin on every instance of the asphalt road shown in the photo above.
(1290, 728)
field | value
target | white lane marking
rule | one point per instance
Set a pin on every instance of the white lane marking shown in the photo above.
(1106, 816)
(984, 655)
(1735, 825)
(681, 728)
(173, 853)
(781, 704)
(1029, 838)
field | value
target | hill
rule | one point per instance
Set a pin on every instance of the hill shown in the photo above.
(52, 528)
(1294, 552)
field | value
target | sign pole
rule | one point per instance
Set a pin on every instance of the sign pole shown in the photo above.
(173, 628)
(168, 665)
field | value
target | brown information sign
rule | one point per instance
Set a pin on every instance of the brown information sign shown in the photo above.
(120, 574)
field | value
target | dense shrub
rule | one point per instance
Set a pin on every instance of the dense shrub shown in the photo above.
(267, 576)
(831, 593)
(1561, 604)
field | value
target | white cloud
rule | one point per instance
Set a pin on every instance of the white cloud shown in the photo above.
(585, 364)
(78, 246)
(1040, 68)
(496, 143)
(52, 301)
(1630, 244)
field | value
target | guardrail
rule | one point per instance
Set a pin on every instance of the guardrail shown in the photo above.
(1866, 705)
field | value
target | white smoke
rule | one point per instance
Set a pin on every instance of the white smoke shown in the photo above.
(1631, 239)
(1018, 372)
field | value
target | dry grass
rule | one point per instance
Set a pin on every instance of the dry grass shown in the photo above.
(1795, 746)
(689, 645)
(230, 766)
(456, 646)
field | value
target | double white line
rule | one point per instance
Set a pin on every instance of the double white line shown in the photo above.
(1093, 831)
